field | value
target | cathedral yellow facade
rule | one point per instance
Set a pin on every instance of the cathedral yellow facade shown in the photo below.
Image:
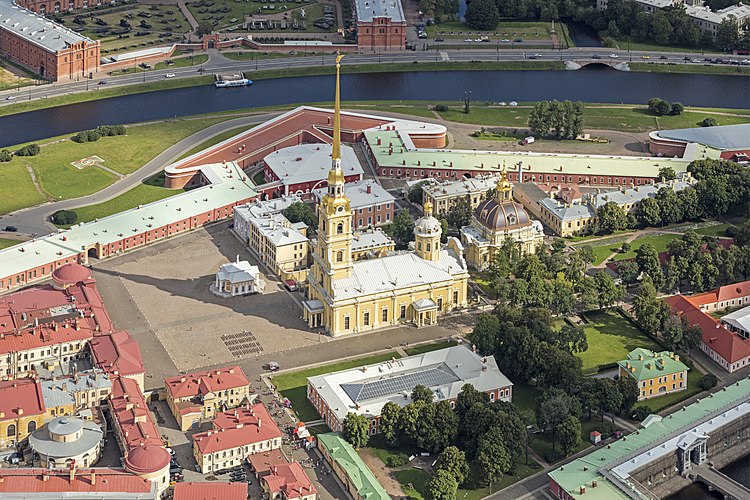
(345, 296)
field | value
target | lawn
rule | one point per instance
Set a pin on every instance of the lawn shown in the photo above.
(7, 242)
(61, 180)
(222, 13)
(689, 68)
(603, 248)
(377, 447)
(659, 241)
(611, 337)
(150, 190)
(527, 31)
(413, 351)
(216, 140)
(259, 178)
(718, 230)
(625, 44)
(525, 396)
(293, 385)
(660, 403)
(10, 79)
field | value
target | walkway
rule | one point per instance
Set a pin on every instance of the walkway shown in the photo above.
(181, 4)
(717, 481)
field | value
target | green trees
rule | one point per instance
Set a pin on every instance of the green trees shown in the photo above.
(453, 461)
(709, 122)
(553, 407)
(660, 107)
(647, 259)
(416, 193)
(492, 456)
(356, 430)
(5, 156)
(667, 173)
(94, 135)
(460, 215)
(649, 311)
(64, 217)
(556, 120)
(203, 28)
(301, 212)
(708, 381)
(569, 432)
(648, 213)
(421, 393)
(29, 150)
(482, 15)
(611, 217)
(403, 227)
(608, 292)
(389, 419)
(442, 486)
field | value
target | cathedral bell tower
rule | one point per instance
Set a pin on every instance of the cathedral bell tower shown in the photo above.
(427, 231)
(504, 189)
(334, 247)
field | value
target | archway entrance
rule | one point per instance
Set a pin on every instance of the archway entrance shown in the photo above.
(91, 253)
(211, 44)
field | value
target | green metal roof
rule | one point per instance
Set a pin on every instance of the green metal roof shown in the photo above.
(491, 162)
(585, 470)
(359, 474)
(643, 364)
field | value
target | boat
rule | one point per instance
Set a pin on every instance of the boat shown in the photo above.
(234, 80)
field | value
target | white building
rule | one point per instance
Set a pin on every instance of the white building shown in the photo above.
(237, 278)
(739, 322)
(371, 203)
(365, 390)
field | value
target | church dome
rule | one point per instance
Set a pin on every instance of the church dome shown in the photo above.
(427, 224)
(501, 216)
(146, 459)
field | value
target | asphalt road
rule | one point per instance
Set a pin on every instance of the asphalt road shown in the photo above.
(221, 64)
(36, 219)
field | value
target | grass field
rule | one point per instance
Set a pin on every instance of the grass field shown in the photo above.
(215, 140)
(61, 180)
(222, 13)
(293, 385)
(10, 80)
(611, 337)
(527, 31)
(604, 247)
(710, 69)
(718, 230)
(150, 190)
(662, 402)
(7, 242)
(178, 62)
(659, 241)
(413, 351)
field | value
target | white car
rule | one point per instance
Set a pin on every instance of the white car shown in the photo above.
(169, 75)
(10, 98)
(468, 40)
(613, 56)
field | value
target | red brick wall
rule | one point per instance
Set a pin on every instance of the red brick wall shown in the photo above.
(366, 216)
(381, 33)
(667, 148)
(78, 60)
(50, 6)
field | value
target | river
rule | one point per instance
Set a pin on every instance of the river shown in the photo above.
(738, 470)
(598, 84)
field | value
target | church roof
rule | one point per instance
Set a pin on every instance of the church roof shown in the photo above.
(496, 215)
(397, 272)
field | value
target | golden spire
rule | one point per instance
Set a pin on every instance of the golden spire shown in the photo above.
(336, 150)
(503, 185)
(428, 208)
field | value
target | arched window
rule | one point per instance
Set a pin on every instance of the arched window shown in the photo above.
(11, 432)
(339, 256)
(340, 228)
(31, 427)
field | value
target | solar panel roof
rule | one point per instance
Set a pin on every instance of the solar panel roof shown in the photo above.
(431, 377)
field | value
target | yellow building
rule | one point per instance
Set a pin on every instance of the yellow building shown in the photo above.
(22, 410)
(445, 194)
(347, 296)
(496, 220)
(657, 373)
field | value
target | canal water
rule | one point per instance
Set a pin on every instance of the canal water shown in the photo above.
(738, 470)
(600, 84)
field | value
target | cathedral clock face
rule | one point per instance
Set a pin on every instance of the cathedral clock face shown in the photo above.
(340, 209)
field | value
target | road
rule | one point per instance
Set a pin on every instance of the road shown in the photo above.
(36, 219)
(221, 64)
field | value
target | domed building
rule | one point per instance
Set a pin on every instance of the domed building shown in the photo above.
(67, 440)
(496, 220)
(70, 275)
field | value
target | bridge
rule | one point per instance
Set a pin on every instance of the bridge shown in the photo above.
(716, 481)
(618, 64)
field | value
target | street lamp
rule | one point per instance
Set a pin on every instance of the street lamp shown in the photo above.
(497, 49)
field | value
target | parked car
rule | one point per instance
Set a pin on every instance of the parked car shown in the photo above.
(439, 40)
(290, 285)
(10, 98)
(11, 229)
(103, 82)
(613, 56)
(169, 75)
(662, 57)
(596, 56)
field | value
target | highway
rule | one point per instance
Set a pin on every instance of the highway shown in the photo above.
(220, 64)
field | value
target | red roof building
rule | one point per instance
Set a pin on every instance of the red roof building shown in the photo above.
(289, 482)
(21, 410)
(727, 296)
(236, 435)
(198, 396)
(262, 463)
(118, 354)
(100, 483)
(210, 491)
(726, 348)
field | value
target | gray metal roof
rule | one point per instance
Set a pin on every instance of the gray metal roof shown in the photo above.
(367, 10)
(365, 390)
(42, 443)
(723, 137)
(739, 319)
(37, 29)
(567, 212)
(358, 195)
(371, 239)
(60, 391)
(309, 163)
(63, 426)
(480, 184)
(277, 229)
(636, 194)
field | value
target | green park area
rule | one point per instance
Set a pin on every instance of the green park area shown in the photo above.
(130, 27)
(610, 337)
(660, 403)
(525, 32)
(58, 179)
(215, 140)
(658, 241)
(711, 69)
(7, 242)
(285, 15)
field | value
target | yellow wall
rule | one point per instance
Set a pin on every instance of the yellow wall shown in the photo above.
(21, 424)
(650, 388)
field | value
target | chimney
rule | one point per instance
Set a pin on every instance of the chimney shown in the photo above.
(72, 472)
(93, 477)
(45, 476)
(369, 188)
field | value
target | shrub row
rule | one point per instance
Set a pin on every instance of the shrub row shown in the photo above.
(94, 135)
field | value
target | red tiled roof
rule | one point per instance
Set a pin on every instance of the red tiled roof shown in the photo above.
(721, 294)
(193, 384)
(21, 396)
(262, 463)
(42, 336)
(289, 479)
(210, 491)
(246, 415)
(117, 352)
(70, 274)
(84, 481)
(144, 448)
(725, 343)
(255, 428)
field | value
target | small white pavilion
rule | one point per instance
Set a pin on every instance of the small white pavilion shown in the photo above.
(237, 278)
